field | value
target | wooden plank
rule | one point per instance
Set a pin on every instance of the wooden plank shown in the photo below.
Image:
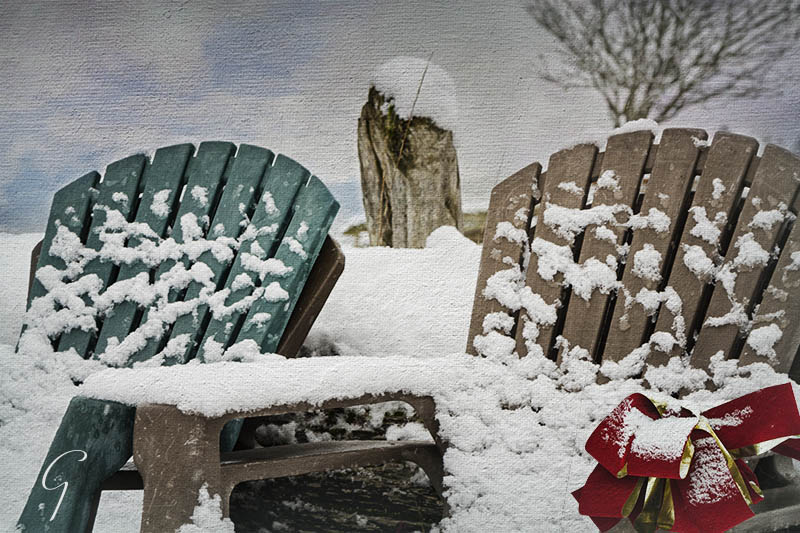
(625, 157)
(270, 219)
(568, 175)
(204, 181)
(118, 191)
(780, 307)
(312, 215)
(652, 246)
(775, 182)
(510, 202)
(242, 188)
(70, 208)
(713, 206)
(162, 185)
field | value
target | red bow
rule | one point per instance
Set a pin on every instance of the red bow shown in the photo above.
(682, 472)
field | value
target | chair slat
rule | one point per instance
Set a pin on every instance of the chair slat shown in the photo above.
(70, 208)
(510, 202)
(162, 185)
(713, 206)
(625, 156)
(779, 307)
(244, 182)
(204, 180)
(118, 191)
(775, 182)
(312, 215)
(667, 191)
(568, 175)
(282, 184)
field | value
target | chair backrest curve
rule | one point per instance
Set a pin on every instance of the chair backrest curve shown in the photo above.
(224, 238)
(644, 249)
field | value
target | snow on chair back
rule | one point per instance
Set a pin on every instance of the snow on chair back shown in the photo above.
(645, 251)
(136, 264)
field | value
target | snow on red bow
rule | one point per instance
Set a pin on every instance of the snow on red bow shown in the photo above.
(680, 471)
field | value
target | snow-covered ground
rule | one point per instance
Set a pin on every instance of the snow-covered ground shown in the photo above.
(516, 435)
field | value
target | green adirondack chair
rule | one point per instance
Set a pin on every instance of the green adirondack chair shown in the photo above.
(268, 212)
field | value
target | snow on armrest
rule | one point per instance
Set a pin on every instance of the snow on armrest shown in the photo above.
(227, 387)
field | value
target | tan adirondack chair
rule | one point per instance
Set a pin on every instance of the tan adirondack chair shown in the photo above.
(689, 208)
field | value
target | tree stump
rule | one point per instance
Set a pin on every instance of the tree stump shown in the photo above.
(409, 175)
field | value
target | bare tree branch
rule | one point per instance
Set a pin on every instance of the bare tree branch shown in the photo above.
(653, 58)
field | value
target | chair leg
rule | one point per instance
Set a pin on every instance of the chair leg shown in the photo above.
(176, 454)
(225, 495)
(95, 503)
(92, 443)
(430, 460)
(425, 409)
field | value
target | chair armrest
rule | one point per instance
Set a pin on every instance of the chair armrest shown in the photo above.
(423, 405)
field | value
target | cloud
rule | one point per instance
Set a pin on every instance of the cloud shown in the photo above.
(260, 55)
(83, 84)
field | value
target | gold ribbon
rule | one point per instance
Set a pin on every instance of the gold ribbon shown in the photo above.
(658, 509)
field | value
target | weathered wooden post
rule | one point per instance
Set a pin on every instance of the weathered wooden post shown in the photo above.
(409, 175)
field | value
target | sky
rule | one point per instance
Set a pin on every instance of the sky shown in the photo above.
(82, 85)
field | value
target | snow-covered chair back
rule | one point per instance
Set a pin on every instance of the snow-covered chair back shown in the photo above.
(643, 252)
(211, 253)
(214, 254)
(185, 256)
